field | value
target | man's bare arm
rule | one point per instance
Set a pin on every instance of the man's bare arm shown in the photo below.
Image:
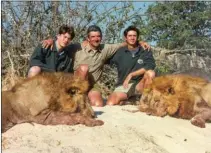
(131, 75)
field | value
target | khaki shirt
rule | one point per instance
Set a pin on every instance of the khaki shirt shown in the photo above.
(94, 58)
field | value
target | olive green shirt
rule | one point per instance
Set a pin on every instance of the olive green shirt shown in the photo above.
(94, 58)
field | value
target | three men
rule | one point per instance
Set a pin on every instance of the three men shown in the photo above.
(93, 57)
(90, 57)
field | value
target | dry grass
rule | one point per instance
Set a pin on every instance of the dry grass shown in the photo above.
(9, 80)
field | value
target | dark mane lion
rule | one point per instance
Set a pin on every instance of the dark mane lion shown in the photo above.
(180, 96)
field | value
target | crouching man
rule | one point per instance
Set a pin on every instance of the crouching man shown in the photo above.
(135, 68)
(53, 59)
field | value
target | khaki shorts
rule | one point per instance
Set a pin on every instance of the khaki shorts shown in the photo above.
(130, 91)
(96, 87)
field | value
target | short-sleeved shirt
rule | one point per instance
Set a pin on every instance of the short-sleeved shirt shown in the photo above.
(94, 58)
(51, 60)
(127, 62)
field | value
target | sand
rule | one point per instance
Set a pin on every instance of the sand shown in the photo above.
(123, 132)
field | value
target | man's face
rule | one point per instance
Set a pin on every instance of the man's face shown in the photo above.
(131, 38)
(94, 39)
(64, 39)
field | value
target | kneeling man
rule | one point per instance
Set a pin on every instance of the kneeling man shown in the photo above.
(135, 68)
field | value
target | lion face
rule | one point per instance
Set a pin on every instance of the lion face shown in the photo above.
(155, 99)
(152, 98)
(73, 97)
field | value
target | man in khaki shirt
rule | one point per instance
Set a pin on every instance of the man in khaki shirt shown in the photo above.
(93, 57)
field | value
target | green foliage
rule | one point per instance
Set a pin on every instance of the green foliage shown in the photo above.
(170, 24)
(178, 24)
(25, 24)
(163, 69)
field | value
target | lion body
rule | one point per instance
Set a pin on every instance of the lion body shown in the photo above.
(181, 96)
(34, 99)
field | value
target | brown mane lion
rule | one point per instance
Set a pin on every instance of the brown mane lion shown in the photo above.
(180, 96)
(48, 99)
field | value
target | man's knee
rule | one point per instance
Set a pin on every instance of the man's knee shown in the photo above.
(115, 99)
(146, 80)
(150, 73)
(82, 71)
(95, 98)
(112, 100)
(34, 70)
(150, 76)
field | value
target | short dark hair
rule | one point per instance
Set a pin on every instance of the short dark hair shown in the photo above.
(67, 29)
(94, 28)
(131, 28)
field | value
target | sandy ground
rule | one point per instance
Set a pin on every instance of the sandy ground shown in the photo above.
(123, 132)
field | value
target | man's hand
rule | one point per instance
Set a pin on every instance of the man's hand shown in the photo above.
(47, 43)
(145, 45)
(126, 82)
(84, 43)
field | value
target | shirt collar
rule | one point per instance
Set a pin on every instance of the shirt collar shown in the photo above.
(89, 49)
(55, 49)
(127, 50)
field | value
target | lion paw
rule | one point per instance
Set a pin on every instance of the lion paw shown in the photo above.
(198, 121)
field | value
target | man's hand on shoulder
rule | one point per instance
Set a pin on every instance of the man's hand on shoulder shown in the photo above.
(84, 43)
(47, 43)
(145, 45)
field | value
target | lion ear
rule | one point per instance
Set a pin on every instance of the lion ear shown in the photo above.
(171, 90)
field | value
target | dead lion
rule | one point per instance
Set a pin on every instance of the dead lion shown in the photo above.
(48, 99)
(180, 96)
